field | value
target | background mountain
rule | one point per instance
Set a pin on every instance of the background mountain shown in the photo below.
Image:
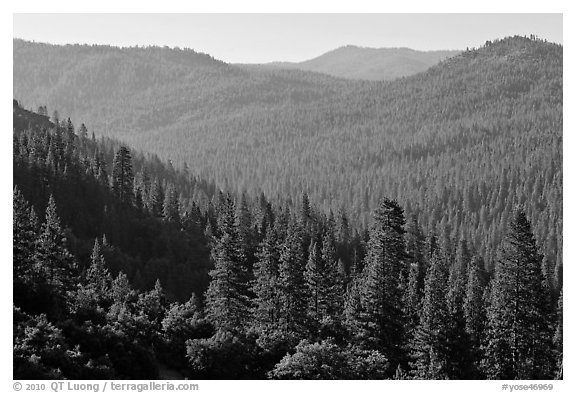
(460, 144)
(353, 62)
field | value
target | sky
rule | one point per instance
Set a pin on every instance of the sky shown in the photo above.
(261, 38)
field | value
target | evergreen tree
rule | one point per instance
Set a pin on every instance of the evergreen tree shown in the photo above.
(227, 302)
(460, 360)
(382, 319)
(122, 176)
(474, 310)
(248, 241)
(411, 300)
(333, 279)
(156, 198)
(83, 132)
(519, 334)
(52, 257)
(415, 249)
(293, 293)
(265, 285)
(98, 277)
(559, 338)
(313, 277)
(430, 352)
(171, 208)
(23, 237)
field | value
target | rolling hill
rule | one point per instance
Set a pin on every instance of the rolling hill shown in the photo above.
(462, 142)
(353, 62)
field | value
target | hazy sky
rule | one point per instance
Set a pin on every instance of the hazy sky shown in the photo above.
(255, 38)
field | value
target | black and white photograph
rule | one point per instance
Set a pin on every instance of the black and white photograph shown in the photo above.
(287, 196)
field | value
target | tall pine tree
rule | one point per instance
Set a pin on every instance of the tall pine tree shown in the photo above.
(519, 334)
(122, 175)
(382, 318)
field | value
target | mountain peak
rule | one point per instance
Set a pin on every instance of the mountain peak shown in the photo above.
(356, 62)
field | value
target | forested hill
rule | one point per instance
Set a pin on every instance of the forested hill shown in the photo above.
(460, 144)
(120, 91)
(353, 62)
(106, 238)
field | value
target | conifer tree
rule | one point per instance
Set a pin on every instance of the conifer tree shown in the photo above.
(460, 361)
(122, 175)
(156, 198)
(293, 293)
(473, 301)
(52, 257)
(559, 338)
(518, 342)
(83, 132)
(415, 248)
(313, 277)
(98, 277)
(333, 279)
(474, 311)
(265, 285)
(227, 302)
(382, 319)
(171, 208)
(246, 237)
(430, 352)
(411, 300)
(23, 237)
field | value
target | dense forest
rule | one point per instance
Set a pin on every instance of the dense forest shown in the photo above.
(125, 267)
(460, 145)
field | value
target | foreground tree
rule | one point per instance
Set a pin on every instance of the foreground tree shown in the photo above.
(226, 299)
(381, 321)
(519, 335)
(325, 360)
(52, 257)
(430, 349)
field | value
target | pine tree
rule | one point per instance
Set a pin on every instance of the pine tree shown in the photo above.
(155, 199)
(122, 176)
(23, 237)
(98, 277)
(333, 279)
(313, 277)
(171, 208)
(293, 293)
(411, 300)
(305, 208)
(382, 319)
(83, 132)
(460, 355)
(52, 257)
(246, 237)
(519, 335)
(415, 248)
(474, 310)
(226, 298)
(430, 352)
(559, 338)
(265, 285)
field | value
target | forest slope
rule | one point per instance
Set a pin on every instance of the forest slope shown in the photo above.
(461, 143)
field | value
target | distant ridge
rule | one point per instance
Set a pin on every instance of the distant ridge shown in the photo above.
(354, 62)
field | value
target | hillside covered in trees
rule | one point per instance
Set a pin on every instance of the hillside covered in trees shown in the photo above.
(285, 224)
(461, 144)
(125, 267)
